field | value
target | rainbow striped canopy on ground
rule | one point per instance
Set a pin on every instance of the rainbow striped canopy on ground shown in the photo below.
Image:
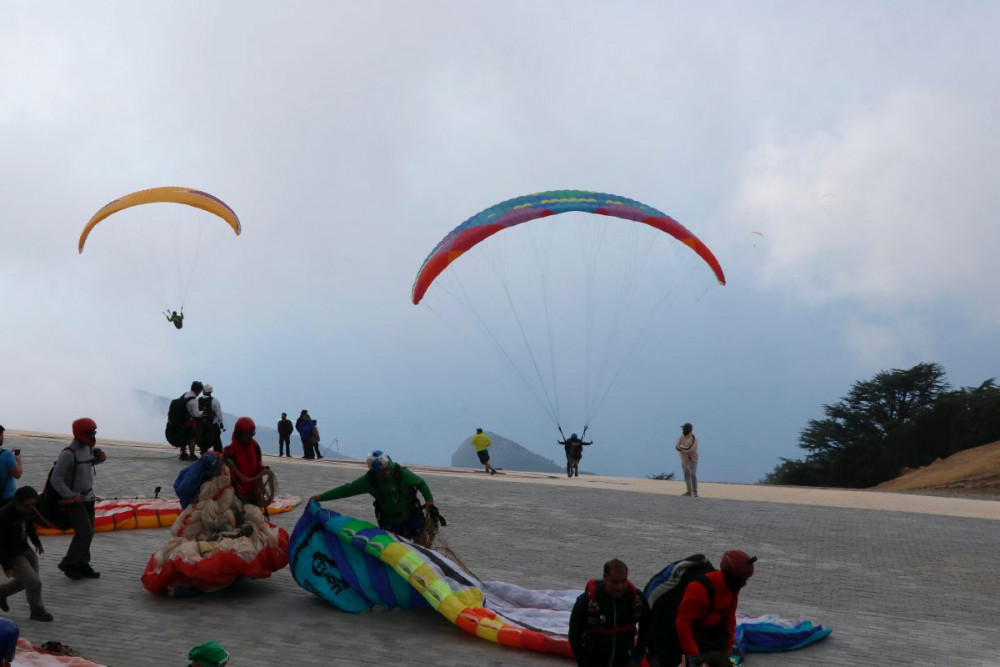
(553, 202)
(168, 195)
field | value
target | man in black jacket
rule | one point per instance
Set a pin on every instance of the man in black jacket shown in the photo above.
(608, 622)
(20, 564)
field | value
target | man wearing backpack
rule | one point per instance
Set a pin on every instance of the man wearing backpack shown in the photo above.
(697, 616)
(608, 624)
(182, 421)
(210, 422)
(72, 479)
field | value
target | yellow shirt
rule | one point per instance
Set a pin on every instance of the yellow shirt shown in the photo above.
(481, 441)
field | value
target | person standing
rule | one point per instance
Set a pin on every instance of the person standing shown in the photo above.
(608, 623)
(73, 479)
(19, 562)
(314, 440)
(482, 443)
(304, 425)
(285, 429)
(211, 421)
(11, 469)
(687, 447)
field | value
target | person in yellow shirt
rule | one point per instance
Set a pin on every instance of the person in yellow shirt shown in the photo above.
(482, 443)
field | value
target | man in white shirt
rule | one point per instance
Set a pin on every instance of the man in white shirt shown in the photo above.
(687, 446)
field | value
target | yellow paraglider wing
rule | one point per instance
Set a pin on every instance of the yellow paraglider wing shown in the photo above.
(171, 195)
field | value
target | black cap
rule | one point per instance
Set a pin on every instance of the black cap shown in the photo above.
(2, 429)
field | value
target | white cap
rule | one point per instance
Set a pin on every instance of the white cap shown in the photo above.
(208, 388)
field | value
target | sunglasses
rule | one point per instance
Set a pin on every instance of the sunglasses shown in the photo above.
(248, 433)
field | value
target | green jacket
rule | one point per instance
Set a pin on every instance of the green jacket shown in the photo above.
(393, 500)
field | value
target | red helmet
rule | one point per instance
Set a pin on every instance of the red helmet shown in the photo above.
(85, 430)
(737, 564)
(245, 425)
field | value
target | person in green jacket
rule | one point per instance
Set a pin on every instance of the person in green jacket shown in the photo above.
(394, 487)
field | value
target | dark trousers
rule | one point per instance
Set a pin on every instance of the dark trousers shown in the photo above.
(307, 449)
(284, 445)
(81, 519)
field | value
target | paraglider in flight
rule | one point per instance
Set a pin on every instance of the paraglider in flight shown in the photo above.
(175, 195)
(553, 202)
(618, 306)
(161, 246)
(178, 320)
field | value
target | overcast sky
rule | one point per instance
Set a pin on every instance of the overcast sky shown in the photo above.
(859, 139)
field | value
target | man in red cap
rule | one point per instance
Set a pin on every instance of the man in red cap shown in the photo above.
(243, 456)
(73, 479)
(706, 622)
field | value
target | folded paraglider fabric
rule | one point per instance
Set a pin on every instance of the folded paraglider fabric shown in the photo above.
(358, 567)
(214, 542)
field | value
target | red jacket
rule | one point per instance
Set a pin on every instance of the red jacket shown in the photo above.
(697, 613)
(249, 462)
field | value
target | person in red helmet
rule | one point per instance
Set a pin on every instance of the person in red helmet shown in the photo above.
(72, 478)
(243, 456)
(706, 620)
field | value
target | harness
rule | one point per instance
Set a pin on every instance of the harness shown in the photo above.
(397, 478)
(594, 616)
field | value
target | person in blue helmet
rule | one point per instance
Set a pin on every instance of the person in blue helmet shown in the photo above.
(574, 452)
(394, 488)
(9, 632)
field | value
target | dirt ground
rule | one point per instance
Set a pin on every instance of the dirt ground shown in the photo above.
(974, 472)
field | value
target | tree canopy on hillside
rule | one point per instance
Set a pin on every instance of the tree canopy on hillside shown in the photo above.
(897, 419)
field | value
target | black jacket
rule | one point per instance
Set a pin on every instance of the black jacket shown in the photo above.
(604, 631)
(14, 528)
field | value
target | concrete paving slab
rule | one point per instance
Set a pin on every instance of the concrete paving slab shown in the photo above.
(902, 579)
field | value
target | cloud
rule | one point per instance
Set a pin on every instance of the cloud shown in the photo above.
(892, 209)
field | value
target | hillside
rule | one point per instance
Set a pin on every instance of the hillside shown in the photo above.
(505, 453)
(973, 471)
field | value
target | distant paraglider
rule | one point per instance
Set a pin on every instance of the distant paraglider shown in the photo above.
(175, 195)
(148, 247)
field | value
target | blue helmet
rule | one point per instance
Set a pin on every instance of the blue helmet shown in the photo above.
(573, 437)
(8, 638)
(378, 460)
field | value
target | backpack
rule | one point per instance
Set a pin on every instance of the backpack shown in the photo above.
(664, 593)
(205, 405)
(178, 410)
(188, 484)
(401, 488)
(49, 508)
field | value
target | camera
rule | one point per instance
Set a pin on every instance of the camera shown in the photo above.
(17, 452)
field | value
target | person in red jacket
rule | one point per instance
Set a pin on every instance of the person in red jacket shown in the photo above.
(706, 621)
(244, 459)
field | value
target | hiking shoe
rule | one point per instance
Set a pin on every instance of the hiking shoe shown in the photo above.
(70, 571)
(42, 616)
(3, 604)
(686, 493)
(88, 572)
(493, 471)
